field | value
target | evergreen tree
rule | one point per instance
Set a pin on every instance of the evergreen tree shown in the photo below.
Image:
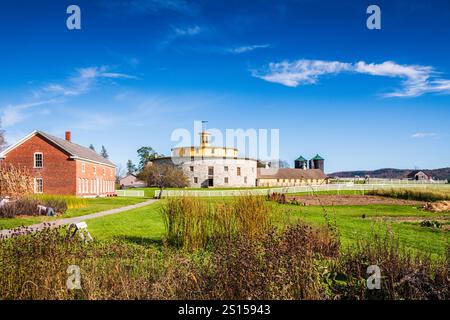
(91, 146)
(131, 168)
(104, 153)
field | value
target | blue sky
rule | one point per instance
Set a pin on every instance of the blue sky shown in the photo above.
(139, 69)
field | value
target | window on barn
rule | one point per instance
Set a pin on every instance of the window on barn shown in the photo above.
(103, 171)
(195, 180)
(95, 170)
(225, 180)
(38, 160)
(191, 168)
(83, 167)
(238, 171)
(245, 179)
(225, 168)
(38, 185)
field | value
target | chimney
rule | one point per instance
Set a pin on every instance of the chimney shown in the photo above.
(69, 136)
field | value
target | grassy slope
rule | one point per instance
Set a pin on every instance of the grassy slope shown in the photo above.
(145, 225)
(94, 205)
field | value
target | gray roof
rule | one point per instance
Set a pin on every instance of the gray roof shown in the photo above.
(289, 173)
(75, 150)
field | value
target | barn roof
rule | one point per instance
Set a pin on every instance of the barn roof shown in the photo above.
(289, 173)
(74, 150)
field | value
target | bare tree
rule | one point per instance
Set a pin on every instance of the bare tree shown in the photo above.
(163, 176)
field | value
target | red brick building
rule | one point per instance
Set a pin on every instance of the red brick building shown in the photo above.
(60, 166)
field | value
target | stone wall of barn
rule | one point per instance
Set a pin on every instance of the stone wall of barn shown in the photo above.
(228, 172)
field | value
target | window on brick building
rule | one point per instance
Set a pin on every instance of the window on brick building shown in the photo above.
(103, 171)
(38, 160)
(83, 167)
(38, 185)
(95, 170)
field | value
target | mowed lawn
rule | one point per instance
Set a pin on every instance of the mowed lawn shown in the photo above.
(145, 225)
(141, 226)
(93, 206)
(360, 222)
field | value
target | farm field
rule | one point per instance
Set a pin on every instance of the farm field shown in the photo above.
(354, 222)
(93, 206)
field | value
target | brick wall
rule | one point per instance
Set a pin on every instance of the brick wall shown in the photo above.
(58, 172)
(94, 179)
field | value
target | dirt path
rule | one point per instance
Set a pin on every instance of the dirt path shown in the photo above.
(348, 200)
(60, 222)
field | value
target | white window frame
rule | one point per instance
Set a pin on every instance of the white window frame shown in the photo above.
(36, 185)
(42, 160)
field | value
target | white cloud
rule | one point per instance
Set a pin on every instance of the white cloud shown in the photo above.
(82, 81)
(13, 114)
(416, 80)
(423, 135)
(187, 31)
(300, 72)
(243, 49)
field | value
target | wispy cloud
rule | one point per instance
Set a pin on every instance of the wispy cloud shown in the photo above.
(187, 31)
(416, 80)
(244, 49)
(423, 135)
(147, 7)
(79, 83)
(13, 114)
(82, 81)
(177, 33)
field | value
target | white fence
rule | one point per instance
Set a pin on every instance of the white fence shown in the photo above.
(130, 193)
(297, 189)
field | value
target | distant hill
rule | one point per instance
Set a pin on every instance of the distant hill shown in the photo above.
(390, 173)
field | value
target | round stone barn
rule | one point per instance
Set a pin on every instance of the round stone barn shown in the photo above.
(208, 166)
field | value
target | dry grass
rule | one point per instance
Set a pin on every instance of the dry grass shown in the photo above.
(191, 222)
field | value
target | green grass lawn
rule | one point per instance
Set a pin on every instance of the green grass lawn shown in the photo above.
(142, 226)
(94, 205)
(145, 225)
(378, 219)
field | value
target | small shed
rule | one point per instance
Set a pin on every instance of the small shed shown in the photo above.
(131, 181)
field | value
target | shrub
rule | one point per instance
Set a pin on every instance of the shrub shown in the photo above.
(15, 182)
(404, 274)
(430, 224)
(27, 207)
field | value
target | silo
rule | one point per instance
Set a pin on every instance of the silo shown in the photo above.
(301, 163)
(317, 163)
